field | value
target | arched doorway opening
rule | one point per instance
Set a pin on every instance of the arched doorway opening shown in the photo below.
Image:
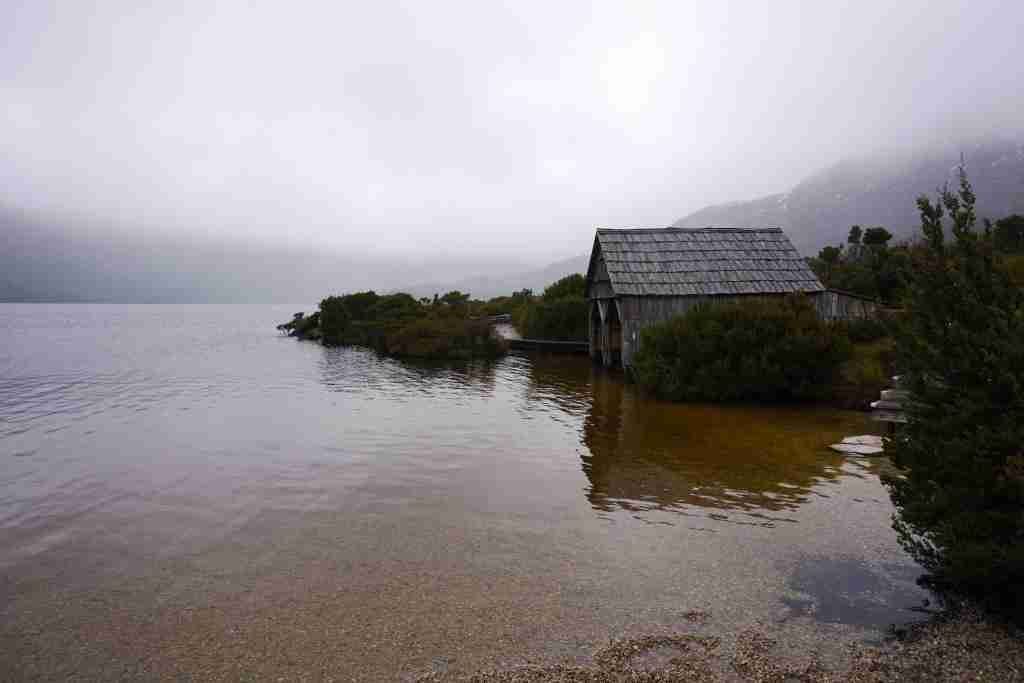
(614, 356)
(596, 345)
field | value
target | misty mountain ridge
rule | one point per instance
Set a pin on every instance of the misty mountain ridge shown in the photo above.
(880, 189)
(877, 190)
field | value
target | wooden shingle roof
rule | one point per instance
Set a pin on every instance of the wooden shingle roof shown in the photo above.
(703, 261)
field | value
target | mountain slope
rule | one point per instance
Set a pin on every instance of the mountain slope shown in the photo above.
(877, 191)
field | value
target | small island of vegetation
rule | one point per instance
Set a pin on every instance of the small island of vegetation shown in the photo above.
(449, 327)
(400, 325)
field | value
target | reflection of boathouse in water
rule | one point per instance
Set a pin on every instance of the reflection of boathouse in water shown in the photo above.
(639, 277)
(644, 454)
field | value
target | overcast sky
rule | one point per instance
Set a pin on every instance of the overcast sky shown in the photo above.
(468, 127)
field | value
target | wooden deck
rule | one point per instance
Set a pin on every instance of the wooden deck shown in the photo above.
(580, 347)
(504, 329)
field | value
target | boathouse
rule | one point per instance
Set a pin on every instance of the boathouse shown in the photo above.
(639, 277)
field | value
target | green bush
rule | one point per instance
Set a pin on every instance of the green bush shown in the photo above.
(560, 313)
(443, 338)
(301, 325)
(960, 493)
(334, 319)
(1008, 234)
(562, 319)
(359, 304)
(569, 286)
(752, 349)
(1013, 266)
(864, 374)
(866, 265)
(866, 329)
(400, 306)
(401, 325)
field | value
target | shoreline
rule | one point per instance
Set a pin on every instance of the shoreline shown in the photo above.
(958, 644)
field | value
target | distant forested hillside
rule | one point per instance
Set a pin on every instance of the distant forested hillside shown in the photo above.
(877, 191)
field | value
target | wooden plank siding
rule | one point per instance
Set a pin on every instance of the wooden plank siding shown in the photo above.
(836, 305)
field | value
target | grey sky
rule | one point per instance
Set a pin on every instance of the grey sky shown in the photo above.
(465, 128)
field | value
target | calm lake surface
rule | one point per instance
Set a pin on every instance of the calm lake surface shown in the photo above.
(186, 494)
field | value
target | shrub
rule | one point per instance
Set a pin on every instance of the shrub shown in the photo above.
(563, 319)
(360, 303)
(1009, 234)
(1013, 266)
(400, 325)
(561, 312)
(751, 349)
(960, 495)
(443, 338)
(569, 286)
(866, 265)
(305, 327)
(334, 319)
(507, 304)
(864, 374)
(866, 329)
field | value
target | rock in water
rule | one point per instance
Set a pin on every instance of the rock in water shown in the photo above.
(865, 440)
(867, 444)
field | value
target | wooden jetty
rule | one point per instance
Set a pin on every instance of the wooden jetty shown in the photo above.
(504, 329)
(891, 406)
(550, 345)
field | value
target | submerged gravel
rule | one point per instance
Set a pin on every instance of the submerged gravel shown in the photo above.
(956, 646)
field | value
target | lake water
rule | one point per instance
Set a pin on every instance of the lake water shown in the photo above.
(186, 494)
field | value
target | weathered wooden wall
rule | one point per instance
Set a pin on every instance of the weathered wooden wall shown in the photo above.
(640, 311)
(835, 305)
(637, 312)
(601, 290)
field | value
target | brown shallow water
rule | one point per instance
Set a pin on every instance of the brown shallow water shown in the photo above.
(185, 495)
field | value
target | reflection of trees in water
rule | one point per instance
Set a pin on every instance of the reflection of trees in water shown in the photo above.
(640, 454)
(646, 454)
(553, 380)
(360, 371)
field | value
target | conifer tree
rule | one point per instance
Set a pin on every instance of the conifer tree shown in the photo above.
(960, 492)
